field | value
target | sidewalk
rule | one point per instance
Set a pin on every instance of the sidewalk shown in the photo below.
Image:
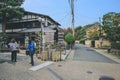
(105, 53)
(7, 55)
(22, 70)
(65, 54)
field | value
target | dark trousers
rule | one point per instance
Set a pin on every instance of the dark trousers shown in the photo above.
(31, 55)
(14, 56)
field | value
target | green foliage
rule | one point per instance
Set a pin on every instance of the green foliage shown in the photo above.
(94, 34)
(3, 39)
(111, 26)
(38, 34)
(82, 31)
(89, 25)
(69, 38)
(82, 40)
(116, 19)
(78, 28)
(77, 32)
(3, 36)
(12, 9)
(115, 46)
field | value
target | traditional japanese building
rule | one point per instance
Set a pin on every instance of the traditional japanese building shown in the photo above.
(31, 24)
(95, 36)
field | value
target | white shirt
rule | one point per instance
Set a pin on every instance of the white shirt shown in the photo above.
(13, 46)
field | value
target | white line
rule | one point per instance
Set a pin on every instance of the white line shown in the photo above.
(35, 68)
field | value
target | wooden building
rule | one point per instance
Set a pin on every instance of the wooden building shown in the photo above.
(32, 23)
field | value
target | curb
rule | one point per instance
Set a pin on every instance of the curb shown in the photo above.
(64, 56)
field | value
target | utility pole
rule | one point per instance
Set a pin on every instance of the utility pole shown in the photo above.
(71, 2)
(43, 37)
(73, 21)
(100, 34)
(100, 26)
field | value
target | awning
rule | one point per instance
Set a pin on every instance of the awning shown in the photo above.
(32, 30)
(38, 30)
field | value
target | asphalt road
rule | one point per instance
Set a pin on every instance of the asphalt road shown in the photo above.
(83, 53)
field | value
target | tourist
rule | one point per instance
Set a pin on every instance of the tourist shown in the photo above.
(14, 49)
(31, 48)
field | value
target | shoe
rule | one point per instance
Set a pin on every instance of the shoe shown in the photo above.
(32, 64)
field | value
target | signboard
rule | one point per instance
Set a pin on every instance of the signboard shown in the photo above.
(49, 37)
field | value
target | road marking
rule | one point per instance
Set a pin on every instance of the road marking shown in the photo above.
(35, 68)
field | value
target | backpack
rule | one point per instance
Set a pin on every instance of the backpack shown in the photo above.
(31, 47)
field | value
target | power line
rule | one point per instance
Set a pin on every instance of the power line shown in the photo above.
(64, 17)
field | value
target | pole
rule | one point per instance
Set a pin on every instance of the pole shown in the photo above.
(100, 26)
(71, 2)
(72, 11)
(100, 35)
(43, 38)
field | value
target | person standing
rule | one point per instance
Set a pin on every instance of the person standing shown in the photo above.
(31, 48)
(34, 43)
(14, 48)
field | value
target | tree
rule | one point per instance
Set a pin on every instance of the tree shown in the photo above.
(10, 9)
(3, 39)
(77, 31)
(69, 38)
(111, 26)
(82, 32)
(66, 31)
(116, 19)
(93, 34)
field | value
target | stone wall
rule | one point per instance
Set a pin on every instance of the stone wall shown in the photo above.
(88, 43)
(105, 43)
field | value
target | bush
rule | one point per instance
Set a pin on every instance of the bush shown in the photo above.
(115, 45)
(69, 38)
(82, 40)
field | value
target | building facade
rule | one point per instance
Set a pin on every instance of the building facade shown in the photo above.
(95, 37)
(30, 24)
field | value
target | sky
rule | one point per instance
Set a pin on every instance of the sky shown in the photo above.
(86, 11)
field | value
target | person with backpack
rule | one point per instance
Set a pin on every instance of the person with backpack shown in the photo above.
(31, 48)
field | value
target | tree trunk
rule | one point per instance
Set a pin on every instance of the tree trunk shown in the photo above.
(4, 24)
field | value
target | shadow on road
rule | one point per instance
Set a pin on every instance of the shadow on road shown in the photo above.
(106, 78)
(3, 61)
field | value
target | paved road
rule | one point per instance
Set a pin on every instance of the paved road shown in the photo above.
(81, 65)
(83, 53)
